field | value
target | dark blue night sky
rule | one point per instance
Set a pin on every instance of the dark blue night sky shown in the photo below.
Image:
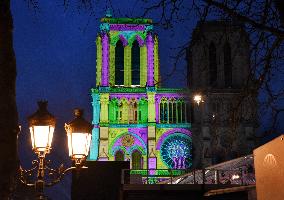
(56, 61)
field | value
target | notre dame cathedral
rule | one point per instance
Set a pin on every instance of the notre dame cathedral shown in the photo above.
(224, 124)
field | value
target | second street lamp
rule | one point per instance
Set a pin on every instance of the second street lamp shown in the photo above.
(79, 137)
(42, 125)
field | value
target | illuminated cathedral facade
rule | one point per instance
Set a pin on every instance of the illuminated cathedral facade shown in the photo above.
(134, 118)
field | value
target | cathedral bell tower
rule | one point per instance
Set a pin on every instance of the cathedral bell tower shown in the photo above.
(134, 119)
(224, 124)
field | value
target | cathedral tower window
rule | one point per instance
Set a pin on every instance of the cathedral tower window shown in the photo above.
(212, 64)
(135, 63)
(119, 63)
(227, 65)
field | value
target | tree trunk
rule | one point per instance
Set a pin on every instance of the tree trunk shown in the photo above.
(8, 109)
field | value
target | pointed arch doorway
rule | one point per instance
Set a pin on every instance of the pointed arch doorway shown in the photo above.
(136, 158)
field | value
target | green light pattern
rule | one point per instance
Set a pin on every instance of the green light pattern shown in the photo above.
(143, 66)
(127, 90)
(142, 111)
(99, 60)
(160, 172)
(136, 147)
(114, 37)
(113, 111)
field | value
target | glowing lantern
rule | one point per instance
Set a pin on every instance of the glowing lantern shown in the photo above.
(79, 137)
(41, 125)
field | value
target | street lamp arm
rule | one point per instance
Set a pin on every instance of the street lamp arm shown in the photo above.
(53, 176)
(59, 174)
(26, 174)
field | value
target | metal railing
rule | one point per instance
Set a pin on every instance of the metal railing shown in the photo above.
(239, 171)
(183, 176)
(150, 176)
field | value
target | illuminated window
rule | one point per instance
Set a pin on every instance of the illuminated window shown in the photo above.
(135, 63)
(212, 65)
(176, 151)
(227, 65)
(119, 63)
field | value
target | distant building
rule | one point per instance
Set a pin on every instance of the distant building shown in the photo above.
(224, 125)
(134, 119)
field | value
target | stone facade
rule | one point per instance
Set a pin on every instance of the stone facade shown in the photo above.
(224, 125)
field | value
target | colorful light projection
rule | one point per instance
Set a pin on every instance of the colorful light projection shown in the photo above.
(126, 118)
(176, 151)
(127, 33)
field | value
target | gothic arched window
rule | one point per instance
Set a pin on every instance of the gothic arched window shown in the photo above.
(113, 110)
(135, 63)
(136, 160)
(143, 110)
(174, 112)
(179, 111)
(119, 63)
(133, 111)
(212, 64)
(227, 65)
(164, 111)
(119, 156)
(171, 103)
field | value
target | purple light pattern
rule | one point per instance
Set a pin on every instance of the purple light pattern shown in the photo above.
(123, 40)
(105, 64)
(150, 60)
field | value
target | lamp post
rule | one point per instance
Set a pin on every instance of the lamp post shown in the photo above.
(41, 125)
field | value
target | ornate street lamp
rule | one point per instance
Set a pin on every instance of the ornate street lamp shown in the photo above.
(42, 125)
(79, 137)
